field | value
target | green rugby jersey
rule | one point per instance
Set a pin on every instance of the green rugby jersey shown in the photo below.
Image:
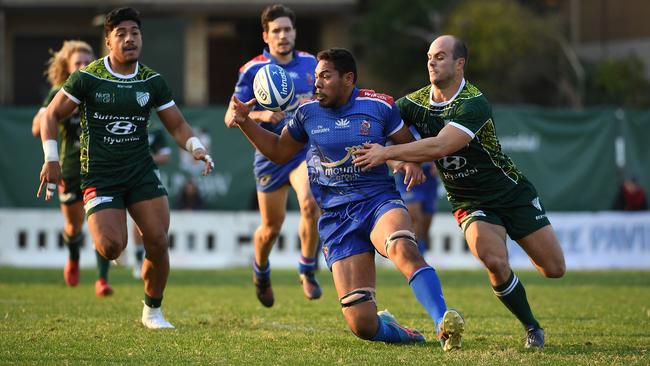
(69, 130)
(480, 171)
(114, 111)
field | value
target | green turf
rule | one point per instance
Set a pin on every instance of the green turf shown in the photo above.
(595, 318)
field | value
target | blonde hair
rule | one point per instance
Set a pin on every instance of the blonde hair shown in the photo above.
(57, 66)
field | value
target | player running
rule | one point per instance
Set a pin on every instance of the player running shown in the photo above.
(362, 211)
(115, 95)
(273, 180)
(72, 56)
(489, 196)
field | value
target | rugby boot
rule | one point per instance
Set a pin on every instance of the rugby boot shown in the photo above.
(310, 286)
(406, 334)
(534, 337)
(102, 288)
(153, 318)
(263, 290)
(451, 330)
(71, 273)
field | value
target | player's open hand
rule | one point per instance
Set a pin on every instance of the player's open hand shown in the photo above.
(50, 178)
(369, 156)
(413, 174)
(238, 111)
(200, 154)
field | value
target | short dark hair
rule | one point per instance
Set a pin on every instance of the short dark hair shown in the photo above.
(273, 12)
(341, 58)
(460, 50)
(117, 16)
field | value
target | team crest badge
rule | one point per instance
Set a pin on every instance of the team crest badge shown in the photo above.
(142, 98)
(365, 128)
(536, 203)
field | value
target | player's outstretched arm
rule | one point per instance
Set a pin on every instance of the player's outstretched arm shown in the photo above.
(60, 108)
(182, 133)
(278, 149)
(449, 140)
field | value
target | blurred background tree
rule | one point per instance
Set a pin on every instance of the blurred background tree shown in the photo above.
(518, 52)
(618, 81)
(514, 55)
(392, 40)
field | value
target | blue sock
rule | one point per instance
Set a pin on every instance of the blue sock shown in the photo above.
(391, 332)
(386, 333)
(426, 287)
(262, 272)
(307, 265)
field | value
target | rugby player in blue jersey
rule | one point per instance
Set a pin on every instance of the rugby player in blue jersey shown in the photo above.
(273, 180)
(362, 211)
(489, 196)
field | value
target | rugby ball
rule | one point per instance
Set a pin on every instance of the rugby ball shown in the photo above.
(273, 88)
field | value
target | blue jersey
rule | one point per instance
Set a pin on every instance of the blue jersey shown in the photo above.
(301, 70)
(334, 134)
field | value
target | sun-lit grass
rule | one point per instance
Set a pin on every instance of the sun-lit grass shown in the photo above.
(596, 318)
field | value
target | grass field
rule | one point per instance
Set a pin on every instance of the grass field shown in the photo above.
(596, 318)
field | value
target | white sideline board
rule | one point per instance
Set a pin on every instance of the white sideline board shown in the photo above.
(215, 239)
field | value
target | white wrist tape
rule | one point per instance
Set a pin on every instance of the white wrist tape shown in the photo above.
(51, 150)
(193, 143)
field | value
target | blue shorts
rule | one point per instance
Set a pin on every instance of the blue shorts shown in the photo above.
(345, 230)
(269, 177)
(426, 193)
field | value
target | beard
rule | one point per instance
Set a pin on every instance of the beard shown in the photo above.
(130, 56)
(285, 53)
(130, 61)
(326, 102)
(442, 82)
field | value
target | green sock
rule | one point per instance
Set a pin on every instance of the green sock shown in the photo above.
(73, 244)
(513, 295)
(152, 302)
(102, 265)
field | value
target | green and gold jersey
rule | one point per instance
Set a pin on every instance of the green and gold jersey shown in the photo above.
(480, 171)
(114, 111)
(69, 130)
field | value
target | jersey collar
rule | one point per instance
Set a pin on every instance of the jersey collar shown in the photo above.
(268, 55)
(118, 75)
(442, 104)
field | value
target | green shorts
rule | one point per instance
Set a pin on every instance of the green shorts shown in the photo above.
(70, 190)
(105, 192)
(520, 211)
